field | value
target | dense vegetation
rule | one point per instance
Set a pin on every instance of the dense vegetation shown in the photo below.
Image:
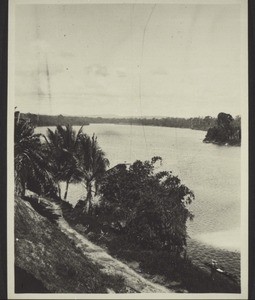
(31, 161)
(46, 120)
(42, 162)
(226, 131)
(198, 123)
(144, 208)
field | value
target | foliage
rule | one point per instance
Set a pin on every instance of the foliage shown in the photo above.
(227, 130)
(29, 159)
(63, 156)
(149, 209)
(76, 158)
(62, 151)
(93, 164)
(45, 120)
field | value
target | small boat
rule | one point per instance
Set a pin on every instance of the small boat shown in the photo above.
(213, 265)
(220, 270)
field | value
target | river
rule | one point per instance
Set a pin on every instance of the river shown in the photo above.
(212, 172)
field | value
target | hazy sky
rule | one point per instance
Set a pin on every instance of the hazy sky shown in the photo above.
(128, 59)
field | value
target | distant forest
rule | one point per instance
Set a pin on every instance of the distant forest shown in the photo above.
(193, 123)
(197, 123)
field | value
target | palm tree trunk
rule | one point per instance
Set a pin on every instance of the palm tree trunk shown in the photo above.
(22, 190)
(67, 185)
(89, 196)
(59, 190)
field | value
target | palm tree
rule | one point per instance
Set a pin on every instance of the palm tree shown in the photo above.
(63, 144)
(29, 158)
(93, 164)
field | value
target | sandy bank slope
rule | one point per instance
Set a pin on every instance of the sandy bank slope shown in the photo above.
(110, 265)
(64, 261)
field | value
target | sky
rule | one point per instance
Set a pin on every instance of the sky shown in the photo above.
(176, 60)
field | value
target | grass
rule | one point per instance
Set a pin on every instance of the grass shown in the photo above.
(46, 256)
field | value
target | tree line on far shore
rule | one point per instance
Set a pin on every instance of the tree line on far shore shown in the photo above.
(198, 123)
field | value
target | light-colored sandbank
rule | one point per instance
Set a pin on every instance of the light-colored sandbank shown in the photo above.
(229, 240)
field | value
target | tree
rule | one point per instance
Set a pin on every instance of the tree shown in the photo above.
(63, 146)
(227, 130)
(30, 161)
(149, 209)
(224, 120)
(93, 164)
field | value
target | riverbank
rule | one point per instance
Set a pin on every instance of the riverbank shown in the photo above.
(188, 273)
(47, 261)
(234, 144)
(202, 248)
(185, 275)
(55, 258)
(163, 271)
(201, 254)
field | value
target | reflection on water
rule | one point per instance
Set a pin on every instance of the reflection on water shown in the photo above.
(211, 171)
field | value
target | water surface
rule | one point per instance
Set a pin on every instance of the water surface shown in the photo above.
(212, 172)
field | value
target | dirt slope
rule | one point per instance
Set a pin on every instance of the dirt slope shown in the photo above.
(64, 261)
(47, 255)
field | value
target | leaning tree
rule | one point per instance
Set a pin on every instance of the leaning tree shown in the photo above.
(93, 164)
(30, 160)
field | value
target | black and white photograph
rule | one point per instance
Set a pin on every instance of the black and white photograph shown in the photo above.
(128, 149)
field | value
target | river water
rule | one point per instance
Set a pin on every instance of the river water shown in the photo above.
(212, 172)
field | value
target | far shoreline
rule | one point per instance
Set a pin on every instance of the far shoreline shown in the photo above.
(195, 123)
(123, 124)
